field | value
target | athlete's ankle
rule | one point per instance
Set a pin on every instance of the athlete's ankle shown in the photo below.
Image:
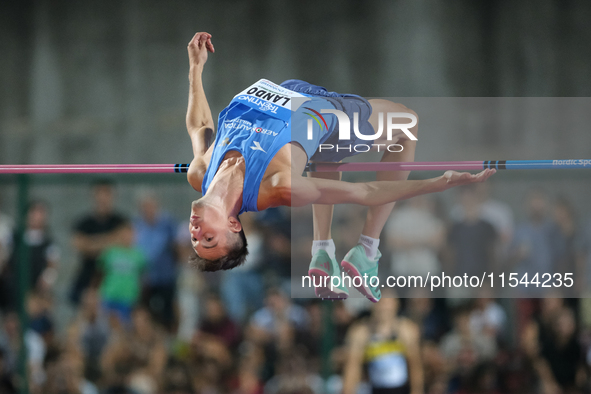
(370, 245)
(327, 245)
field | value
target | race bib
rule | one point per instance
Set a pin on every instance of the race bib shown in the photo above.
(270, 98)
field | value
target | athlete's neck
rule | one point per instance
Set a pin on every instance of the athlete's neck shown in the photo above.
(227, 184)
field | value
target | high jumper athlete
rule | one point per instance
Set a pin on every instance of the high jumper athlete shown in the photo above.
(257, 160)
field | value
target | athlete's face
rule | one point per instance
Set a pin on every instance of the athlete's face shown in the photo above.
(209, 230)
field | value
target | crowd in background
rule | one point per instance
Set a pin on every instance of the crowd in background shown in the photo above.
(147, 322)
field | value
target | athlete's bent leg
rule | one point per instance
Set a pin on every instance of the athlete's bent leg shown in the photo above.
(378, 215)
(324, 263)
(363, 258)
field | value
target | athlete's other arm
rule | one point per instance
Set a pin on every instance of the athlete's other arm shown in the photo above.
(303, 191)
(199, 120)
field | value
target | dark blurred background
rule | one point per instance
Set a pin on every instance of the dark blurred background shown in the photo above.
(106, 82)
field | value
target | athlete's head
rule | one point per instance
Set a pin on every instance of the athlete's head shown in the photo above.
(218, 240)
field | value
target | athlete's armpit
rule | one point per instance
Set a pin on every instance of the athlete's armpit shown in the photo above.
(200, 140)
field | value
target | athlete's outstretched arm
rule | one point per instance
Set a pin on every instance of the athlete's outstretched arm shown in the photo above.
(304, 191)
(199, 120)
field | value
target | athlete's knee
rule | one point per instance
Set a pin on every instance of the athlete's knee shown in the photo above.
(413, 118)
(382, 107)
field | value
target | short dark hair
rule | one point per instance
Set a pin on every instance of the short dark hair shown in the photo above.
(235, 257)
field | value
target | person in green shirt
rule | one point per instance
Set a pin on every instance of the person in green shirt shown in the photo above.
(122, 266)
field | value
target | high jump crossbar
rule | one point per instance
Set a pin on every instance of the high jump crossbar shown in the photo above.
(312, 167)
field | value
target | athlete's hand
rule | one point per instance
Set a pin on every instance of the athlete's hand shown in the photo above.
(454, 178)
(198, 48)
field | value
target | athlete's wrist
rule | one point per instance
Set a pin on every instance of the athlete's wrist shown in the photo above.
(440, 184)
(195, 67)
(195, 72)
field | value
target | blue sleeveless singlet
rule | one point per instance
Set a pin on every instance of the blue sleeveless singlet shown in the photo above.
(256, 123)
(264, 117)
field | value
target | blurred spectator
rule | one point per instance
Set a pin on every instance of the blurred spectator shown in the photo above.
(42, 255)
(122, 267)
(93, 234)
(555, 350)
(217, 323)
(148, 346)
(40, 321)
(294, 377)
(7, 381)
(416, 236)
(135, 360)
(471, 242)
(276, 230)
(482, 380)
(242, 288)
(435, 368)
(496, 212)
(310, 339)
(214, 361)
(65, 374)
(539, 327)
(92, 331)
(300, 246)
(275, 327)
(117, 365)
(584, 259)
(465, 349)
(278, 317)
(190, 284)
(177, 379)
(342, 320)
(155, 236)
(6, 231)
(428, 315)
(247, 380)
(565, 238)
(583, 283)
(488, 318)
(532, 249)
(10, 342)
(388, 345)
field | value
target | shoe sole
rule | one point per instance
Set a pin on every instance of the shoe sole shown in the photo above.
(354, 273)
(325, 292)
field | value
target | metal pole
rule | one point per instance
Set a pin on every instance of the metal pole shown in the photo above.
(22, 278)
(312, 167)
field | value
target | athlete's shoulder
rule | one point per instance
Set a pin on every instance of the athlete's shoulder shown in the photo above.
(409, 330)
(359, 332)
(197, 170)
